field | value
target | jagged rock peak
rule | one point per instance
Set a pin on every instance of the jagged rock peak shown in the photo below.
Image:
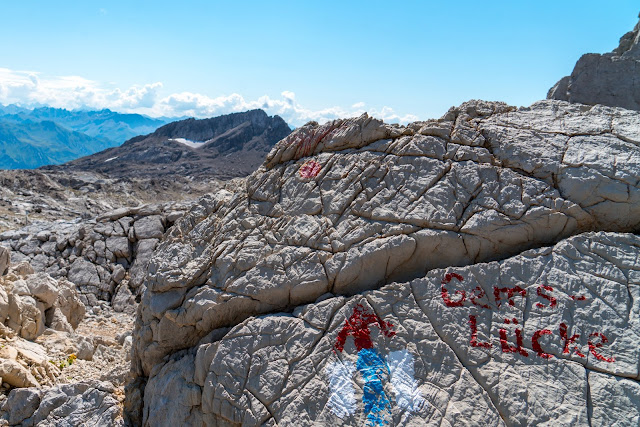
(206, 129)
(608, 79)
(629, 43)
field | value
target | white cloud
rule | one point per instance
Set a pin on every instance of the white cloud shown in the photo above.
(29, 88)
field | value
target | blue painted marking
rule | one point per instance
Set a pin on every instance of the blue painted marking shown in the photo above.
(373, 369)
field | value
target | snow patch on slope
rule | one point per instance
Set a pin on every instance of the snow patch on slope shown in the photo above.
(188, 143)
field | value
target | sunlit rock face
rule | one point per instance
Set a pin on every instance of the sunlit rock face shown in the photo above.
(277, 304)
(548, 336)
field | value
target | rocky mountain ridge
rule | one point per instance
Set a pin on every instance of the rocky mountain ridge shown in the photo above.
(223, 147)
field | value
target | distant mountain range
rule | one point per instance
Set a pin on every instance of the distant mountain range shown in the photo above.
(28, 145)
(43, 136)
(223, 147)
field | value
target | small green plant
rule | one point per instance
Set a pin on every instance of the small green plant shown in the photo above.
(64, 362)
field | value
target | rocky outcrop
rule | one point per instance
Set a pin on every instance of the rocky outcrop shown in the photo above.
(30, 196)
(33, 304)
(79, 404)
(105, 258)
(30, 302)
(610, 79)
(46, 341)
(353, 205)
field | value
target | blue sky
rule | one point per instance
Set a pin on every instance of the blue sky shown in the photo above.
(304, 60)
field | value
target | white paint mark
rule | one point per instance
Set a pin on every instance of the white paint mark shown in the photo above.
(342, 401)
(403, 381)
(110, 159)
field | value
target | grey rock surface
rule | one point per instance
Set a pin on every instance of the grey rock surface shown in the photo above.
(96, 255)
(28, 196)
(5, 260)
(79, 404)
(546, 337)
(354, 205)
(609, 79)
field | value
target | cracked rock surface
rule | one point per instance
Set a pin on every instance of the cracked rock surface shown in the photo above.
(460, 327)
(60, 364)
(89, 403)
(353, 205)
(106, 257)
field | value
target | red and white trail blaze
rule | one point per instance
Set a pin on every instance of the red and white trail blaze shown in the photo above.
(397, 366)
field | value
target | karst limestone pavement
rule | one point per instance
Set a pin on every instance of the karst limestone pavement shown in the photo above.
(58, 364)
(546, 335)
(106, 257)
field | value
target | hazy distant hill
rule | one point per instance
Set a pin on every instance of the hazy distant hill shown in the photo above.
(46, 136)
(106, 124)
(227, 146)
(28, 145)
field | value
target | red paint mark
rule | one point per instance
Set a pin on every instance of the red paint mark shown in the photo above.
(358, 326)
(536, 345)
(474, 334)
(306, 140)
(475, 297)
(592, 347)
(549, 298)
(445, 294)
(449, 276)
(569, 340)
(578, 298)
(510, 293)
(508, 348)
(310, 169)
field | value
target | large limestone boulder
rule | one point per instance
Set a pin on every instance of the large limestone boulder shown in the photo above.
(149, 227)
(44, 288)
(26, 316)
(546, 337)
(354, 204)
(30, 302)
(84, 273)
(16, 375)
(608, 79)
(69, 303)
